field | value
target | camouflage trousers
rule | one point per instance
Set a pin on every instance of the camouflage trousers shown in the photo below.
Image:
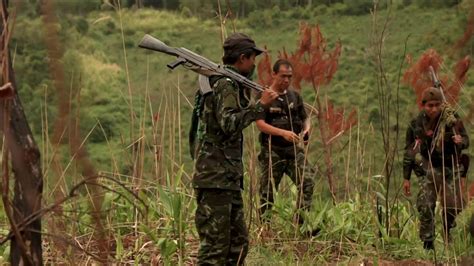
(221, 227)
(274, 164)
(432, 186)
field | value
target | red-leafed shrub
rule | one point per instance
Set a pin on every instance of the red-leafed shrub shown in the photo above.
(419, 76)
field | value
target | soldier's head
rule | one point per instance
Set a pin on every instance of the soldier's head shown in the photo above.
(431, 100)
(240, 51)
(282, 74)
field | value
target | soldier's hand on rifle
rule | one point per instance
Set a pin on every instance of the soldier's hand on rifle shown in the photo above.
(268, 96)
(406, 187)
(457, 139)
(290, 136)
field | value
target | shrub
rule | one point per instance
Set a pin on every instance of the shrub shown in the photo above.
(82, 26)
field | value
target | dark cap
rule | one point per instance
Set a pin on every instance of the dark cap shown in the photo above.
(431, 94)
(239, 42)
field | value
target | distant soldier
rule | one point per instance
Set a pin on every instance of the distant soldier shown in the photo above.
(218, 172)
(280, 126)
(441, 142)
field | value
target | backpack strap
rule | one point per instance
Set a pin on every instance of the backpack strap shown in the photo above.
(205, 88)
(198, 99)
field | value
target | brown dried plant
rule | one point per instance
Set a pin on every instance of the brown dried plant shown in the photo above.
(418, 75)
(312, 62)
(336, 120)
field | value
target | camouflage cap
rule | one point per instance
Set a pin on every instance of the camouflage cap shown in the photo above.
(239, 42)
(431, 94)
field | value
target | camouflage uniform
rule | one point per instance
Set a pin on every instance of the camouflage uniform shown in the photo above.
(412, 148)
(218, 174)
(438, 162)
(279, 157)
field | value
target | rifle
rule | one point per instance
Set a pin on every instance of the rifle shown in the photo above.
(448, 117)
(197, 63)
(437, 83)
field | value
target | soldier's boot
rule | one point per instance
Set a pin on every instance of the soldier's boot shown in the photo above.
(428, 245)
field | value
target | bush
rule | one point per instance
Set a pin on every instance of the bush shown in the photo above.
(358, 7)
(77, 7)
(436, 3)
(82, 26)
(321, 10)
(267, 18)
(338, 9)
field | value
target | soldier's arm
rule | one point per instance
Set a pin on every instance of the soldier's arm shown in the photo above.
(408, 158)
(230, 116)
(461, 130)
(269, 129)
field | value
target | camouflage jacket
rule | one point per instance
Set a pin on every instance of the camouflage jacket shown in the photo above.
(227, 111)
(449, 151)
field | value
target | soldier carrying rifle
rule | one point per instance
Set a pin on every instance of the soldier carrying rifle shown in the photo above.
(439, 137)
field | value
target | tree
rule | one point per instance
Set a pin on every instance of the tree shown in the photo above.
(24, 213)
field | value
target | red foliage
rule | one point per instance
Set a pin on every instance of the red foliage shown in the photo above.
(336, 122)
(418, 75)
(468, 33)
(311, 62)
(264, 70)
(314, 64)
(460, 77)
(311, 59)
(471, 191)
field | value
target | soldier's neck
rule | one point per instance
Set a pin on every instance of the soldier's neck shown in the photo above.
(278, 90)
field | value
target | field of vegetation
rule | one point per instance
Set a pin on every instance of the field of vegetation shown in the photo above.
(131, 115)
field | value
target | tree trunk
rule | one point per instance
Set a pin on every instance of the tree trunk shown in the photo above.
(25, 246)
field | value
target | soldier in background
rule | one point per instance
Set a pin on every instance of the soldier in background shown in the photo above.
(439, 156)
(218, 172)
(280, 125)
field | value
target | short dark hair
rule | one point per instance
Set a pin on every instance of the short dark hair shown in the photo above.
(231, 57)
(279, 63)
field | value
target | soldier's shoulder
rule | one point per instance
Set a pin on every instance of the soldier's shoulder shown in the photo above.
(223, 82)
